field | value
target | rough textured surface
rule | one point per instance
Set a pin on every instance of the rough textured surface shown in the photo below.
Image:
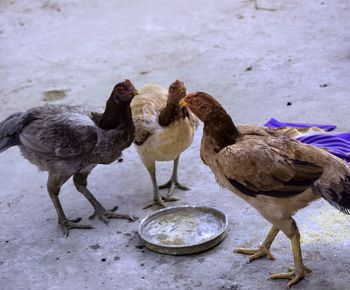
(255, 61)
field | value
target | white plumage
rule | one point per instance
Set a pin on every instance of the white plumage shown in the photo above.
(163, 131)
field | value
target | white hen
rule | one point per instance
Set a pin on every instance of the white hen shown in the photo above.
(163, 131)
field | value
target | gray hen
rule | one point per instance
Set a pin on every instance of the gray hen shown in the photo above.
(70, 141)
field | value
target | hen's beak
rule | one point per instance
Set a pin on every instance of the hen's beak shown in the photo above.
(183, 103)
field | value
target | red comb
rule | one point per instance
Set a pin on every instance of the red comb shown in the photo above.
(179, 82)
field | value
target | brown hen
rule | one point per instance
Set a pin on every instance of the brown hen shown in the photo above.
(273, 173)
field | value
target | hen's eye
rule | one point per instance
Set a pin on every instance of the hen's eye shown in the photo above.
(197, 102)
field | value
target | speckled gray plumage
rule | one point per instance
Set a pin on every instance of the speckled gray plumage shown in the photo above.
(64, 138)
(70, 141)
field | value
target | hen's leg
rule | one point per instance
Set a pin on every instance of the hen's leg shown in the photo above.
(263, 250)
(296, 273)
(80, 182)
(173, 183)
(157, 198)
(54, 184)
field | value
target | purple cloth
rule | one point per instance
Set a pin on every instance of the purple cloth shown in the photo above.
(335, 143)
(273, 123)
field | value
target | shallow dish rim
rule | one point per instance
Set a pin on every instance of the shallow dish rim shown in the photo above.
(188, 249)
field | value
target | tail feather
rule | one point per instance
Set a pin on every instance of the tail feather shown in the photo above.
(10, 129)
(338, 195)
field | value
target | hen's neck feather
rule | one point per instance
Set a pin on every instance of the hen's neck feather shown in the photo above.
(220, 127)
(171, 113)
(114, 115)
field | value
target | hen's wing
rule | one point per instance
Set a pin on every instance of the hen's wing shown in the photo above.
(290, 132)
(60, 136)
(146, 107)
(255, 167)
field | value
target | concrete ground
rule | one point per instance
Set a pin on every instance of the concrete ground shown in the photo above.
(254, 56)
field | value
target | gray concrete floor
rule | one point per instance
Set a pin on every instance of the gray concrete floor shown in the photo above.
(253, 60)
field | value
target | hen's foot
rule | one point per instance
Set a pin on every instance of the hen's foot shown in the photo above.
(172, 185)
(294, 275)
(104, 215)
(176, 184)
(67, 225)
(69, 220)
(255, 253)
(161, 201)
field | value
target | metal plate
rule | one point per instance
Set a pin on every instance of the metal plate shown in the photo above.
(182, 230)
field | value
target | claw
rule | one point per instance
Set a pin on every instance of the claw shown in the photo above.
(67, 225)
(255, 253)
(177, 185)
(104, 215)
(113, 209)
(180, 186)
(75, 220)
(165, 185)
(293, 275)
(78, 219)
(161, 201)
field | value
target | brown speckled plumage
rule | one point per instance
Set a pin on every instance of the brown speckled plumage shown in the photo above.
(273, 173)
